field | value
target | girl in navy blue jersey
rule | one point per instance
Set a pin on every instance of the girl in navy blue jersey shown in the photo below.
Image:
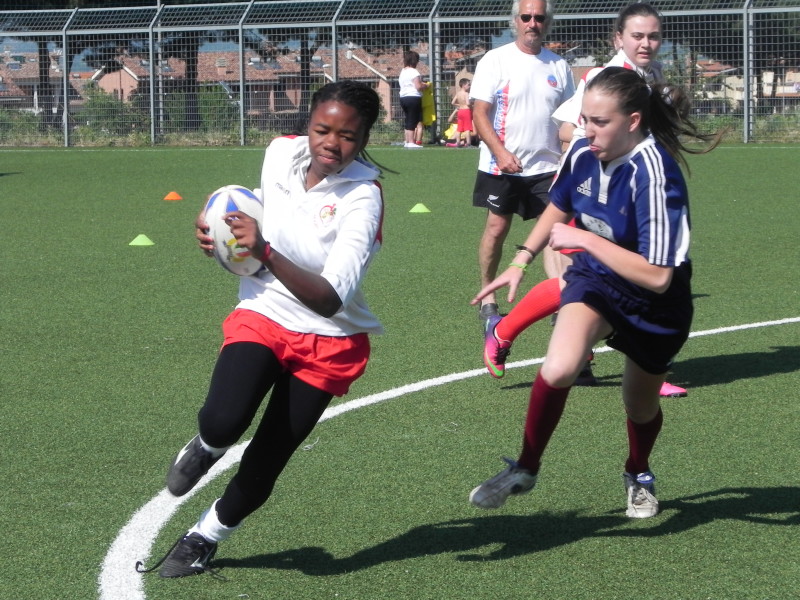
(630, 285)
(637, 38)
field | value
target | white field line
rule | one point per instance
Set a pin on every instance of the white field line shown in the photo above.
(119, 580)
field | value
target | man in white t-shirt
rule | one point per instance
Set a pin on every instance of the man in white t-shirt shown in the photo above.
(515, 90)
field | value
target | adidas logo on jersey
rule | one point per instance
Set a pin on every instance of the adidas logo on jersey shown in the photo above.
(586, 187)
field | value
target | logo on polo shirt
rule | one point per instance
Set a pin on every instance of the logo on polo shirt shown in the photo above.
(327, 214)
(586, 187)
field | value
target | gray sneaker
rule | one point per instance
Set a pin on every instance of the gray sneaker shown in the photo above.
(189, 465)
(586, 378)
(512, 481)
(641, 491)
(487, 310)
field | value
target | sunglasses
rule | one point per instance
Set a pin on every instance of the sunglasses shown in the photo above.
(537, 18)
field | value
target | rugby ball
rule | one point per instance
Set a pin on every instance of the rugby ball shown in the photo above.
(228, 253)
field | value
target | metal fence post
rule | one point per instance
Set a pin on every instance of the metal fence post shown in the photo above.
(335, 40)
(65, 78)
(748, 71)
(242, 79)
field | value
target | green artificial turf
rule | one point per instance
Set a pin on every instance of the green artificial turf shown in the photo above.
(107, 350)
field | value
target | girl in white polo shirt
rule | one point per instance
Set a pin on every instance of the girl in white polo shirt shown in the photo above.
(300, 331)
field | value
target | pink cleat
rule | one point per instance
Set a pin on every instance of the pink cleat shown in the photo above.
(672, 391)
(495, 351)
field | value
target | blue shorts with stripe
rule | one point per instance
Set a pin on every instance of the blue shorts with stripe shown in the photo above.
(648, 328)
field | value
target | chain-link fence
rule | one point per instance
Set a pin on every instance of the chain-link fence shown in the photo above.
(241, 72)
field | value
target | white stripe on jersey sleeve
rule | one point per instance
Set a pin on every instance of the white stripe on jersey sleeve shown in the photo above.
(659, 250)
(682, 240)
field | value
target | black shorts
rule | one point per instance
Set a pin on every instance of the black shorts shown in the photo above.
(648, 328)
(508, 194)
(412, 110)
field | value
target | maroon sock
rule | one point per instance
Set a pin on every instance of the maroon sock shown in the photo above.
(641, 439)
(544, 412)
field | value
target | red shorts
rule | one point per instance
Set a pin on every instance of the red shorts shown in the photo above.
(464, 116)
(328, 363)
(570, 250)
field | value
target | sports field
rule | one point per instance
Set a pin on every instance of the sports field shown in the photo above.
(107, 350)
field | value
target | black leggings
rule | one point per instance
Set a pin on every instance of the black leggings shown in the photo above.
(412, 111)
(243, 375)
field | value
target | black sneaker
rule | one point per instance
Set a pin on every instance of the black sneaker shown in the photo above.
(189, 556)
(190, 464)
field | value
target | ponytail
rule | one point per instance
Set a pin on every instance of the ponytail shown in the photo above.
(664, 109)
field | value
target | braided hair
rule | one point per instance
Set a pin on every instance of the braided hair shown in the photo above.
(357, 95)
(361, 97)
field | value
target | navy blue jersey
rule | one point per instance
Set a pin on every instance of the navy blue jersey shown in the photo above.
(638, 201)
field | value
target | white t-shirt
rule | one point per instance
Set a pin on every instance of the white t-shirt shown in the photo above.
(406, 82)
(524, 90)
(570, 111)
(333, 229)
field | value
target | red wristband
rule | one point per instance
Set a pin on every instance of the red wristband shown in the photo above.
(266, 253)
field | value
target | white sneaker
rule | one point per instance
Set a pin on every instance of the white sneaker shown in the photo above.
(411, 145)
(641, 490)
(493, 492)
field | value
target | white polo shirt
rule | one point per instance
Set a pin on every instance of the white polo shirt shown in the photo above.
(333, 229)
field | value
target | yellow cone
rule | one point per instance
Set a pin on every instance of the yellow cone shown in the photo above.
(419, 208)
(141, 240)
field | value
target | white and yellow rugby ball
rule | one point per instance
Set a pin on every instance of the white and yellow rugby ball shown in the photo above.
(228, 253)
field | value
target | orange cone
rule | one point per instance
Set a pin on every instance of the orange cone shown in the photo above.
(173, 196)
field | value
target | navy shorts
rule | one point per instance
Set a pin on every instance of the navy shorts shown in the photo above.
(412, 111)
(648, 328)
(508, 194)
